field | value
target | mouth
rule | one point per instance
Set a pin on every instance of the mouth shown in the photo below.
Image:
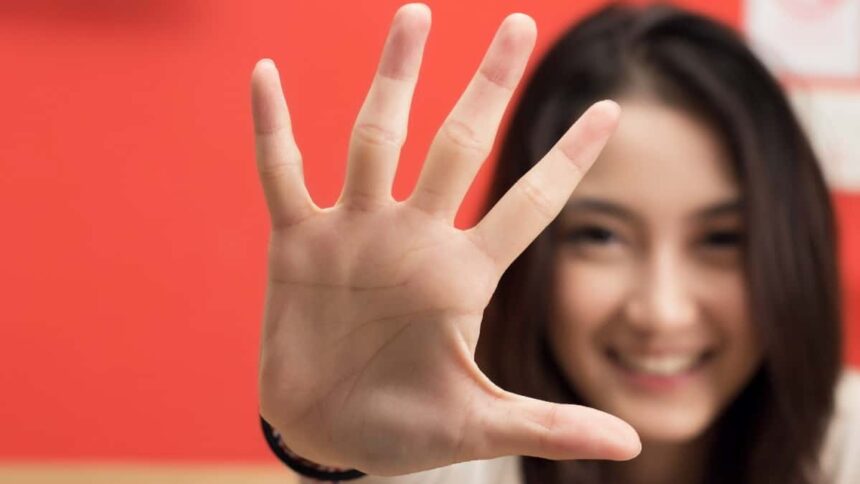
(660, 371)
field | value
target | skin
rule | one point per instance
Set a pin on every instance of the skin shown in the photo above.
(373, 306)
(661, 281)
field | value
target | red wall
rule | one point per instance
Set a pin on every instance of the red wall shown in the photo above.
(134, 230)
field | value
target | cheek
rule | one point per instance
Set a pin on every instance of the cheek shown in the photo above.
(584, 299)
(742, 352)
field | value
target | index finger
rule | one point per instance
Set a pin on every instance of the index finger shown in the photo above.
(539, 195)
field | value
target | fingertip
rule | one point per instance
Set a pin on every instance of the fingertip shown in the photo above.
(404, 46)
(637, 449)
(595, 434)
(605, 115)
(416, 15)
(266, 62)
(622, 439)
(268, 108)
(524, 20)
(609, 108)
(521, 28)
(263, 65)
(416, 8)
(263, 73)
(627, 441)
(508, 55)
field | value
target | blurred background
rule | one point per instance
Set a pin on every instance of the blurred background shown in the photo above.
(133, 248)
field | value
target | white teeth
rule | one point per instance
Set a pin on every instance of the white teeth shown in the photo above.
(660, 365)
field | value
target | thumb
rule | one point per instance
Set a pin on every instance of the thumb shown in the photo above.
(512, 424)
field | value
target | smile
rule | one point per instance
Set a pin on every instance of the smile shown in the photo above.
(659, 372)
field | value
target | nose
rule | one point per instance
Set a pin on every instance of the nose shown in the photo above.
(662, 298)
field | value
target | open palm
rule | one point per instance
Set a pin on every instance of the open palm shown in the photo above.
(374, 306)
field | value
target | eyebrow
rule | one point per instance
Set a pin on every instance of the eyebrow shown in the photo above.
(600, 206)
(725, 207)
(733, 205)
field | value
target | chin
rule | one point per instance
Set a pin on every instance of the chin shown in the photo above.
(673, 424)
(679, 433)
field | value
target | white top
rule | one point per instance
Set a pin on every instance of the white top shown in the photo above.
(840, 457)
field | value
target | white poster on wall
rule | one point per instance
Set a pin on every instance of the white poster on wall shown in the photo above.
(831, 118)
(807, 38)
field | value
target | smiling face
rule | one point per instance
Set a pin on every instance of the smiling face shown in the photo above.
(650, 320)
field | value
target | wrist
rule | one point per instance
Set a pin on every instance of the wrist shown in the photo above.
(301, 465)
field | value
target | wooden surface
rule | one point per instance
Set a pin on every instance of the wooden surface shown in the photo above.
(139, 473)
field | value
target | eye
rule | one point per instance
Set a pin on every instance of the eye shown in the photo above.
(590, 234)
(724, 239)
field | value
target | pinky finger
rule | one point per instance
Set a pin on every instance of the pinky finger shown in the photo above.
(279, 161)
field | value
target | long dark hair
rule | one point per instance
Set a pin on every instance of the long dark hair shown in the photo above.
(773, 431)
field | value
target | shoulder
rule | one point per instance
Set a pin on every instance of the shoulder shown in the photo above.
(503, 470)
(842, 444)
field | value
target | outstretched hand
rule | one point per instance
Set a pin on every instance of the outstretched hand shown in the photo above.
(374, 306)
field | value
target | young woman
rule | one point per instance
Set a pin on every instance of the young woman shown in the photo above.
(687, 286)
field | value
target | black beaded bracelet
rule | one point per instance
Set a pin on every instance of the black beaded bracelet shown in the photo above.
(301, 465)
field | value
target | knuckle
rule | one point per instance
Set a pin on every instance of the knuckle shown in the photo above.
(464, 137)
(376, 135)
(495, 263)
(546, 431)
(274, 165)
(362, 201)
(536, 198)
(499, 78)
(275, 171)
(433, 201)
(572, 157)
